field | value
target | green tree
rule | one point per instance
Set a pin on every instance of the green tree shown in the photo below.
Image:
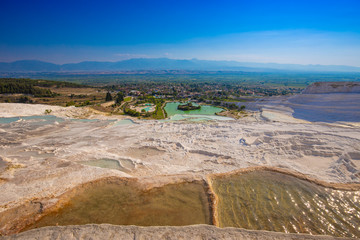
(119, 97)
(108, 97)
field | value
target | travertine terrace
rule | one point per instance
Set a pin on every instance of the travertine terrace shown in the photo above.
(41, 162)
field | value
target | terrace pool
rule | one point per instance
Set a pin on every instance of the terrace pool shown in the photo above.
(265, 200)
(126, 202)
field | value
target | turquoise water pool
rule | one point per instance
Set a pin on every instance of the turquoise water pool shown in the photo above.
(206, 113)
(37, 120)
(171, 110)
(9, 120)
(147, 109)
(50, 119)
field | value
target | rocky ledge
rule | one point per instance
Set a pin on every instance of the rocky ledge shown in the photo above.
(106, 231)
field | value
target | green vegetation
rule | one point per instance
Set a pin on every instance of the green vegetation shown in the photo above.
(187, 107)
(21, 90)
(40, 83)
(131, 112)
(83, 104)
(119, 98)
(11, 86)
(108, 97)
(159, 112)
(71, 103)
(25, 99)
(48, 111)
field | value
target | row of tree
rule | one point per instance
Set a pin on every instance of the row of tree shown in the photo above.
(118, 99)
(24, 88)
(41, 83)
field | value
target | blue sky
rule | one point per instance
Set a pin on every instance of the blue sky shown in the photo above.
(305, 32)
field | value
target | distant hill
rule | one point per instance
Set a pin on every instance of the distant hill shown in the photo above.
(29, 65)
(167, 64)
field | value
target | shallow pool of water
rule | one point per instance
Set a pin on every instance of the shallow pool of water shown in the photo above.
(147, 109)
(84, 120)
(127, 163)
(124, 165)
(206, 113)
(264, 200)
(34, 120)
(103, 163)
(124, 122)
(9, 120)
(124, 202)
(41, 120)
(197, 118)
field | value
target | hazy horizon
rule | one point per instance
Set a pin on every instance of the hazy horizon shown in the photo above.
(135, 58)
(284, 32)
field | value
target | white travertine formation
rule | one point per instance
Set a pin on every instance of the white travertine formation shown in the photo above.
(44, 161)
(332, 87)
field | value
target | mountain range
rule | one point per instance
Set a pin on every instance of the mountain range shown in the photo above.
(138, 64)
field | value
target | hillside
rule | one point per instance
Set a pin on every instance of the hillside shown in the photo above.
(167, 64)
(22, 90)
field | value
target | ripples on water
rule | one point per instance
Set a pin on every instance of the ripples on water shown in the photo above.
(272, 201)
(125, 203)
(260, 200)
